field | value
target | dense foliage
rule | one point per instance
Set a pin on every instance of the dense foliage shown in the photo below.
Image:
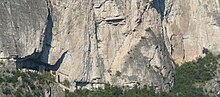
(192, 73)
(114, 91)
(187, 76)
(24, 84)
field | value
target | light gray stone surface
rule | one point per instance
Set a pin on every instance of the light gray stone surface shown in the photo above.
(22, 23)
(120, 42)
(106, 37)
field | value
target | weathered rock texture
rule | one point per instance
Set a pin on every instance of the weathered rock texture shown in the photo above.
(121, 42)
(112, 41)
(22, 24)
(191, 26)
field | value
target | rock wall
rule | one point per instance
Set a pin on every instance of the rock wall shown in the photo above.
(121, 42)
(191, 26)
(22, 24)
(112, 41)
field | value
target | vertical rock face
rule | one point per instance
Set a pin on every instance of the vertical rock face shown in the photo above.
(121, 42)
(21, 25)
(112, 41)
(191, 26)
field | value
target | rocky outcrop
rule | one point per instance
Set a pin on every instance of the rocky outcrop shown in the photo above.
(191, 26)
(22, 26)
(121, 42)
(118, 42)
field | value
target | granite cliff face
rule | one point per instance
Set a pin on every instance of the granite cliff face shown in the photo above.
(117, 42)
(121, 42)
(191, 26)
(22, 24)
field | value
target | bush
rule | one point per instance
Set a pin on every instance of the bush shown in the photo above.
(1, 80)
(66, 83)
(68, 94)
(118, 73)
(148, 29)
(19, 92)
(48, 76)
(28, 94)
(6, 90)
(143, 37)
(11, 79)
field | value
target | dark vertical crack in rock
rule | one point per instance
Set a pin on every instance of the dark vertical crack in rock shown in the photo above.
(38, 60)
(47, 37)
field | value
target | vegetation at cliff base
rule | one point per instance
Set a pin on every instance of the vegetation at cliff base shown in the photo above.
(24, 84)
(189, 81)
(114, 91)
(193, 73)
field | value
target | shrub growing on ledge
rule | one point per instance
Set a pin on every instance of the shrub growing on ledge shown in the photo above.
(148, 29)
(143, 37)
(118, 73)
(66, 83)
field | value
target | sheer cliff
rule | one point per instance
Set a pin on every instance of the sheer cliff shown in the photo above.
(22, 24)
(191, 26)
(121, 42)
(117, 42)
